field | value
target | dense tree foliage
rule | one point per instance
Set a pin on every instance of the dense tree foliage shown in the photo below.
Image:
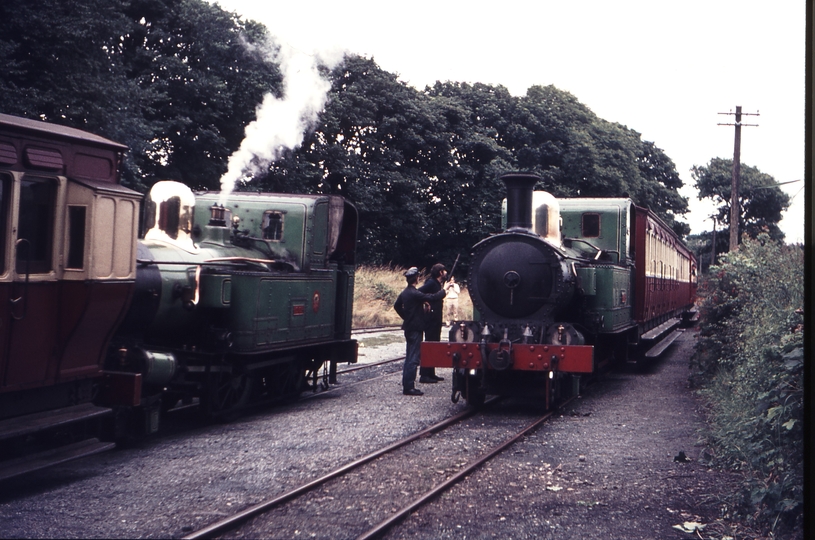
(206, 72)
(760, 201)
(179, 80)
(172, 79)
(61, 63)
(423, 166)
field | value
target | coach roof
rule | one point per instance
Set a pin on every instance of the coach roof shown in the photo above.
(49, 130)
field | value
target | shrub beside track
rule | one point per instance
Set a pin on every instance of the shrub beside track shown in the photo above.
(749, 366)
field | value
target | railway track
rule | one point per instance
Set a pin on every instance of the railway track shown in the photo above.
(233, 524)
(358, 367)
(178, 409)
(375, 329)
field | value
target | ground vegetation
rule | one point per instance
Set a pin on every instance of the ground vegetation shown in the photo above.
(376, 289)
(748, 367)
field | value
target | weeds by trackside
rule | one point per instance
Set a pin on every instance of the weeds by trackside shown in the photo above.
(376, 289)
(748, 367)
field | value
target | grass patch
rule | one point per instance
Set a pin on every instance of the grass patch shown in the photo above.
(376, 289)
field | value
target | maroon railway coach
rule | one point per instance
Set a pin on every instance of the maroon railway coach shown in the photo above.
(68, 233)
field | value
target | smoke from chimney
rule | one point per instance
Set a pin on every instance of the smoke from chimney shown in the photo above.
(282, 122)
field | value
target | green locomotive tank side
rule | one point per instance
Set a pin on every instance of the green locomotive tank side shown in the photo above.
(293, 294)
(176, 322)
(270, 311)
(310, 297)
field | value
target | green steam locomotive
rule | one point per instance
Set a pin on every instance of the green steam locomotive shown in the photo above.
(227, 300)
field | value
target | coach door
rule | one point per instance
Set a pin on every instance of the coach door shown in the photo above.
(30, 302)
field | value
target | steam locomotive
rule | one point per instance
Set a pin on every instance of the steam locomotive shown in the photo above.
(569, 287)
(229, 300)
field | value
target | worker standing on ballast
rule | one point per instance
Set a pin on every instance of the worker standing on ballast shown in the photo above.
(410, 307)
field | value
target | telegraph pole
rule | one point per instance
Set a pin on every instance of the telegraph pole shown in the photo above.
(734, 181)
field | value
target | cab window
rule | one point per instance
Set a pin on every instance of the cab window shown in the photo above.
(591, 225)
(273, 226)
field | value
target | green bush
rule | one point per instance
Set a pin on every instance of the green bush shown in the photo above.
(748, 366)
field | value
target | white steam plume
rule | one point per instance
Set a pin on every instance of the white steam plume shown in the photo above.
(282, 122)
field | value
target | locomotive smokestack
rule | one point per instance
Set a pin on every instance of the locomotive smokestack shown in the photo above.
(519, 199)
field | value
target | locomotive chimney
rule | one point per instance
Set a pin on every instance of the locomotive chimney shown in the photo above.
(519, 199)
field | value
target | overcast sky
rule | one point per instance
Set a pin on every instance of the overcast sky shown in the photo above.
(663, 69)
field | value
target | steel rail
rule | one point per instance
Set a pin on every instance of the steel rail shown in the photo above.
(316, 394)
(370, 364)
(232, 522)
(379, 529)
(374, 329)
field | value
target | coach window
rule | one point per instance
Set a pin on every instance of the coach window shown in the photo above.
(653, 279)
(35, 229)
(591, 225)
(273, 226)
(5, 186)
(76, 238)
(661, 276)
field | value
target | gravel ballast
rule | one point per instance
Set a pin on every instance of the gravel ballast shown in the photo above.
(607, 466)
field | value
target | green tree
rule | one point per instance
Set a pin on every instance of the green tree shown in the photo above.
(470, 152)
(62, 63)
(205, 70)
(761, 201)
(590, 157)
(175, 80)
(369, 147)
(424, 167)
(660, 187)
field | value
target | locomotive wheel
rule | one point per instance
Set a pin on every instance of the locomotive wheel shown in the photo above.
(284, 381)
(296, 375)
(228, 394)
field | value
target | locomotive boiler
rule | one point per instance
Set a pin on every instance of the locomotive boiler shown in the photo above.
(568, 287)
